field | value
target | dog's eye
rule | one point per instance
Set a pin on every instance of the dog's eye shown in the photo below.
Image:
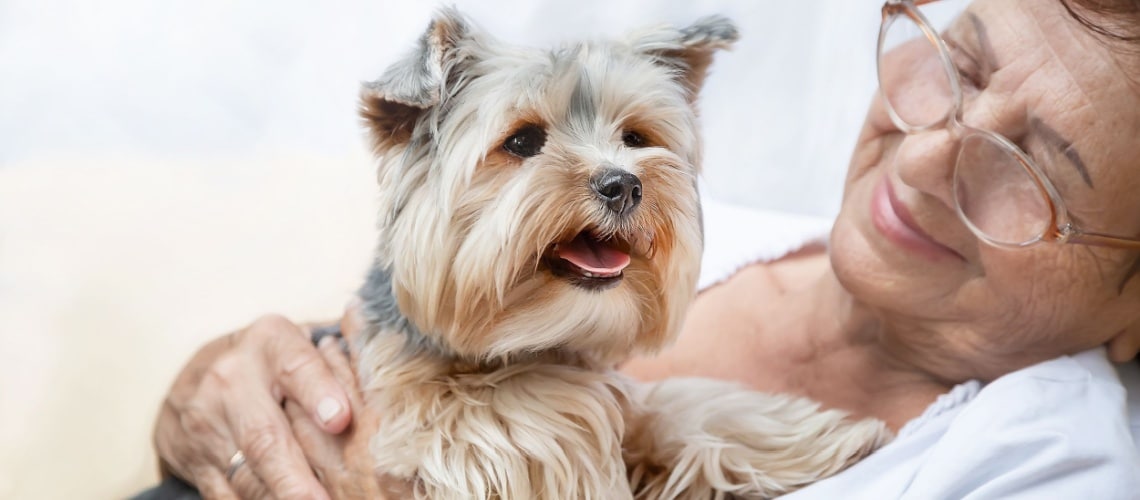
(527, 142)
(633, 139)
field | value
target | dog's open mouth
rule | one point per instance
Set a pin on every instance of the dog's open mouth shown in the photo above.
(589, 261)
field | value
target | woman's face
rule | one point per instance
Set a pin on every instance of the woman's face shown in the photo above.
(1036, 76)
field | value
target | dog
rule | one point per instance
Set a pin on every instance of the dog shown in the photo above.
(540, 223)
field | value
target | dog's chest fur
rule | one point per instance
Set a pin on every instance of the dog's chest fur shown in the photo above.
(545, 426)
(533, 430)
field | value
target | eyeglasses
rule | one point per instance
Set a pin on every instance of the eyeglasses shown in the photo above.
(999, 191)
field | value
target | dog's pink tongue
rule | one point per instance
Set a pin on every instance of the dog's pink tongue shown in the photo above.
(593, 256)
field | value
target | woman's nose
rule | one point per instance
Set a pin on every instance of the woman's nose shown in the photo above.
(925, 162)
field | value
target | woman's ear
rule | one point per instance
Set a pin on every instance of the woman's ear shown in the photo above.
(1125, 345)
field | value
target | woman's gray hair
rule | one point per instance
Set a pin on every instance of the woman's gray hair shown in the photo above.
(1116, 20)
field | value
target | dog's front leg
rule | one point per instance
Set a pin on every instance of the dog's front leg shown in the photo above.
(701, 438)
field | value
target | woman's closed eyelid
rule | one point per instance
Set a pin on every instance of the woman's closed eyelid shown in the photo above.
(968, 66)
(971, 77)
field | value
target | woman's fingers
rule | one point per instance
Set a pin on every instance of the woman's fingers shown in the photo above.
(211, 483)
(247, 486)
(199, 448)
(185, 424)
(341, 466)
(272, 455)
(325, 454)
(321, 449)
(341, 366)
(301, 374)
(187, 461)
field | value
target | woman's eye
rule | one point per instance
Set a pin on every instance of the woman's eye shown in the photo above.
(632, 139)
(968, 68)
(971, 70)
(526, 142)
(971, 79)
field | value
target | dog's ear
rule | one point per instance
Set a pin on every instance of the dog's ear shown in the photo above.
(392, 104)
(689, 51)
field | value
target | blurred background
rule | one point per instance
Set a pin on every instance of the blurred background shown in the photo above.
(171, 170)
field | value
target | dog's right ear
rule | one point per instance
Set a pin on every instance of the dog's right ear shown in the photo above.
(393, 104)
(689, 50)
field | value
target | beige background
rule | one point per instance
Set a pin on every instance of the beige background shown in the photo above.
(114, 271)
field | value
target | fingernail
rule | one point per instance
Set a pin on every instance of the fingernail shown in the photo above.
(328, 409)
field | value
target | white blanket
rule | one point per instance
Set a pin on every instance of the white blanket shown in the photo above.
(1063, 429)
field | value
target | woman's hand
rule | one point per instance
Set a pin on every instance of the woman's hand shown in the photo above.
(229, 397)
(344, 463)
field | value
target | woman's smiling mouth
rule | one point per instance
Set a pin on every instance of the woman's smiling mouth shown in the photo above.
(894, 221)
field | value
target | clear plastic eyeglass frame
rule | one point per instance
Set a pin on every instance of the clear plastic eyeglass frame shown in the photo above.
(1061, 228)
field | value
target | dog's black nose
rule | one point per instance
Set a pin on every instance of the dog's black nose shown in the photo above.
(620, 190)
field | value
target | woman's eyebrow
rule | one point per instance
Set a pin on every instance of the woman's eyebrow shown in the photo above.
(958, 48)
(1049, 134)
(987, 50)
(1055, 139)
(983, 41)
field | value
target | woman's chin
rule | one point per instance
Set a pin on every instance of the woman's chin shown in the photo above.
(876, 273)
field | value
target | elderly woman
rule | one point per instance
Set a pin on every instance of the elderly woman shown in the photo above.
(977, 282)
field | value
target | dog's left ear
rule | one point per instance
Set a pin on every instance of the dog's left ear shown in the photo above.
(393, 104)
(688, 50)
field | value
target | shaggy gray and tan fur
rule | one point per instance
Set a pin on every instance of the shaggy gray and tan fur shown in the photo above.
(539, 224)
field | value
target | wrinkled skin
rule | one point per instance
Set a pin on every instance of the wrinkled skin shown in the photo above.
(996, 310)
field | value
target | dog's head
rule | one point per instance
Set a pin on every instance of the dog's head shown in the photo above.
(540, 199)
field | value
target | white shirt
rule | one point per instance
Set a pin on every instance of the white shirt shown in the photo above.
(1063, 429)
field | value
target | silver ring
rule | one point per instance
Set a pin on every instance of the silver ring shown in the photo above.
(236, 462)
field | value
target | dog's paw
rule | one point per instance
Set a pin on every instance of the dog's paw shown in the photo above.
(705, 438)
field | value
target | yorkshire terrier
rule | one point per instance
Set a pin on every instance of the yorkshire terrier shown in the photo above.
(539, 224)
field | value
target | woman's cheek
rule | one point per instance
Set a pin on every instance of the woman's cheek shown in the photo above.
(1042, 285)
(878, 118)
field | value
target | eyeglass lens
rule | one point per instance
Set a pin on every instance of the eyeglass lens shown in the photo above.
(911, 74)
(995, 193)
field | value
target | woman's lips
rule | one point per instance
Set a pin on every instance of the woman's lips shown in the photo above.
(894, 221)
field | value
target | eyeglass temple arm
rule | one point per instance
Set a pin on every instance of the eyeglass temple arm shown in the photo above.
(1104, 240)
